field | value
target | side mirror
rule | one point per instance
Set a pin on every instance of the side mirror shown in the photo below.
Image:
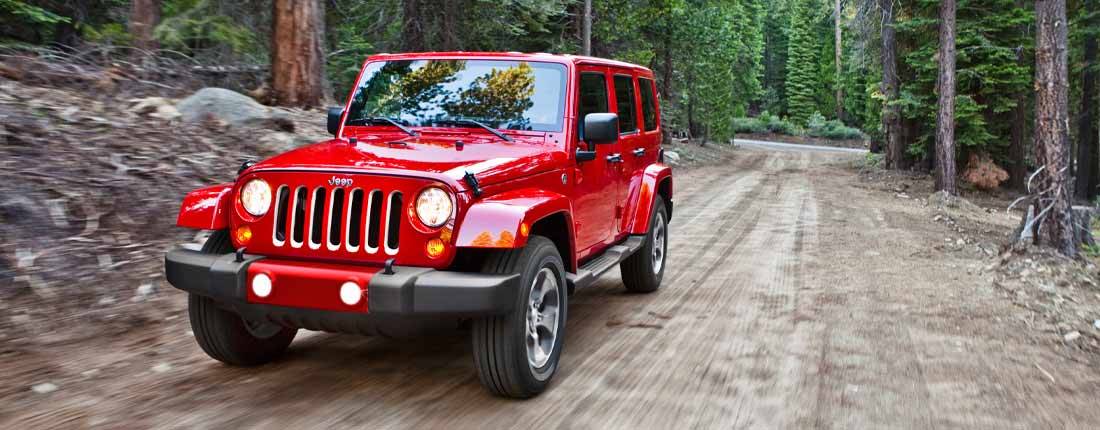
(334, 114)
(601, 128)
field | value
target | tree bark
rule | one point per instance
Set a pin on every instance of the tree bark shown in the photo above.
(144, 17)
(412, 26)
(945, 118)
(587, 27)
(1017, 149)
(1086, 177)
(891, 114)
(297, 60)
(452, 10)
(1052, 128)
(838, 49)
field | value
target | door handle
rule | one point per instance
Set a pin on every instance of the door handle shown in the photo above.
(638, 152)
(615, 158)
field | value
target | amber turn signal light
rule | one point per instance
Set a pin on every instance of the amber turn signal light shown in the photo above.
(434, 248)
(244, 235)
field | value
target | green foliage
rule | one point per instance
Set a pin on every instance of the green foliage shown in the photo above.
(30, 14)
(989, 73)
(802, 55)
(818, 126)
(197, 28)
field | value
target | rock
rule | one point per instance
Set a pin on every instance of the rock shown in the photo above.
(231, 107)
(162, 368)
(143, 292)
(1096, 324)
(282, 142)
(672, 157)
(43, 388)
(156, 107)
(1072, 336)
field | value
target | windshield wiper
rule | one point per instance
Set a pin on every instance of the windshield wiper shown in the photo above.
(467, 121)
(378, 119)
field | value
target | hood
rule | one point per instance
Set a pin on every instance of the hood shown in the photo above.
(491, 160)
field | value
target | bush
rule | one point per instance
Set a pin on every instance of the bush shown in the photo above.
(749, 125)
(817, 126)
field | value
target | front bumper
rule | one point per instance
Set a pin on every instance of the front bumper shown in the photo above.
(311, 290)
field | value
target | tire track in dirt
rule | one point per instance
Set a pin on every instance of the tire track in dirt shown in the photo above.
(697, 293)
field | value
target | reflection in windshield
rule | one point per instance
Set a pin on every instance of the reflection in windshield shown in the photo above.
(502, 94)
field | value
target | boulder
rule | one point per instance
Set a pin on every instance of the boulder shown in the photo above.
(231, 107)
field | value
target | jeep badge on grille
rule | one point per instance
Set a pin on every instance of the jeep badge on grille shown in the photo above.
(340, 182)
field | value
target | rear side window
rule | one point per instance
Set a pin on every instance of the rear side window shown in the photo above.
(624, 97)
(649, 104)
(593, 97)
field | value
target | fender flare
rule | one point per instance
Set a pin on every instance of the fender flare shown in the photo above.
(504, 220)
(653, 178)
(207, 208)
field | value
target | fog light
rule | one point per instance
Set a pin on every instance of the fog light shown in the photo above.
(244, 235)
(434, 248)
(261, 285)
(350, 293)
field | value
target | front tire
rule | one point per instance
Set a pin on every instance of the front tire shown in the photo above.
(643, 271)
(223, 334)
(517, 354)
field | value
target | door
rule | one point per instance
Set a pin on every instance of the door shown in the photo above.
(596, 181)
(642, 149)
(630, 138)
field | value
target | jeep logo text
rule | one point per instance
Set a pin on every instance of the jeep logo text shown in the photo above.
(340, 182)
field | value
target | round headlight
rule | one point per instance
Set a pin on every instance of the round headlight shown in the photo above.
(434, 207)
(256, 197)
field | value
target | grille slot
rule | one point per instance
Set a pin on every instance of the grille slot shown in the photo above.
(298, 218)
(335, 218)
(317, 215)
(374, 220)
(282, 200)
(355, 220)
(393, 222)
(338, 219)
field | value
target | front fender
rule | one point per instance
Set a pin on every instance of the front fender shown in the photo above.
(207, 208)
(495, 222)
(654, 177)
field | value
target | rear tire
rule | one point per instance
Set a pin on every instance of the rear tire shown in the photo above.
(223, 334)
(517, 354)
(643, 271)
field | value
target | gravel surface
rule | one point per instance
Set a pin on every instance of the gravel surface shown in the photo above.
(798, 295)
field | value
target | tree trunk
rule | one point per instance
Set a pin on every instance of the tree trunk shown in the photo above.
(1052, 128)
(587, 27)
(1017, 149)
(1086, 177)
(412, 26)
(839, 70)
(891, 114)
(144, 17)
(452, 10)
(945, 118)
(297, 56)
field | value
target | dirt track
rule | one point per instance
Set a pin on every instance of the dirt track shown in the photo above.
(794, 298)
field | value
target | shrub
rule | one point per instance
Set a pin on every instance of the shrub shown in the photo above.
(817, 126)
(782, 126)
(749, 125)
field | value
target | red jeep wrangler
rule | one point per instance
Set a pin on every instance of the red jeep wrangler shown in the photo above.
(458, 187)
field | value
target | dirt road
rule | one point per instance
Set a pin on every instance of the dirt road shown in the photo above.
(795, 298)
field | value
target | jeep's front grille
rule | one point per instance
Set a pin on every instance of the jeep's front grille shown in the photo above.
(336, 217)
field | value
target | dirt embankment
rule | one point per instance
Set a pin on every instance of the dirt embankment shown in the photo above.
(90, 184)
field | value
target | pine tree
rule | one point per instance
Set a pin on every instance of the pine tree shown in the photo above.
(802, 61)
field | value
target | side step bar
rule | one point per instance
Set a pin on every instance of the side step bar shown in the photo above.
(590, 271)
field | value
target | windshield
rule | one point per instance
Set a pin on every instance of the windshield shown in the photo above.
(513, 95)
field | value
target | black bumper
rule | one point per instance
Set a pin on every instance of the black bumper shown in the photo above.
(409, 291)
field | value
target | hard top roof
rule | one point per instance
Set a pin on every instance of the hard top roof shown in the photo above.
(538, 56)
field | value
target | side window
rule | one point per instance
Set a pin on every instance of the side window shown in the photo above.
(649, 104)
(593, 97)
(624, 97)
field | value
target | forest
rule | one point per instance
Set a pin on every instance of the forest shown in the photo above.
(866, 69)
